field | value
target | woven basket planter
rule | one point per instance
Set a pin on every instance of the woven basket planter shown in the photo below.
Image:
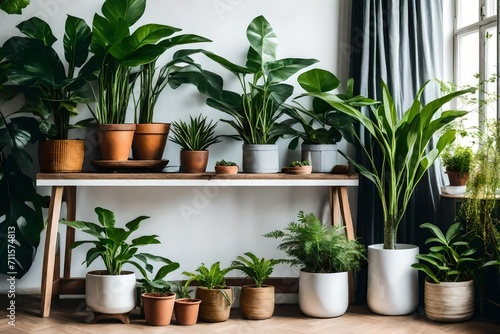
(449, 301)
(257, 303)
(61, 156)
(214, 307)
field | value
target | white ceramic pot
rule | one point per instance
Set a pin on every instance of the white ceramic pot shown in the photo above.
(110, 294)
(392, 282)
(323, 157)
(323, 295)
(260, 158)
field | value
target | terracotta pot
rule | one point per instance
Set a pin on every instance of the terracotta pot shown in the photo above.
(226, 169)
(257, 303)
(115, 141)
(214, 306)
(158, 308)
(449, 301)
(194, 161)
(186, 311)
(457, 179)
(56, 156)
(149, 141)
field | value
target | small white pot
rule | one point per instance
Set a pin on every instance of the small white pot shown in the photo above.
(392, 282)
(323, 295)
(323, 157)
(260, 158)
(110, 294)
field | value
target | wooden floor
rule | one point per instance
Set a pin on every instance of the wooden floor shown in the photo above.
(71, 316)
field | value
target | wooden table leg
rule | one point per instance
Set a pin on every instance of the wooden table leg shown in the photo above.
(50, 250)
(70, 196)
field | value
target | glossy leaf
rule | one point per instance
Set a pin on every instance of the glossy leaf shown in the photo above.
(318, 81)
(76, 41)
(263, 41)
(38, 29)
(129, 10)
(281, 70)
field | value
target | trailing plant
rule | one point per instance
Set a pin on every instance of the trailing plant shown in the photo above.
(451, 259)
(213, 278)
(457, 159)
(256, 108)
(299, 163)
(403, 139)
(225, 163)
(318, 248)
(197, 135)
(257, 269)
(111, 242)
(156, 283)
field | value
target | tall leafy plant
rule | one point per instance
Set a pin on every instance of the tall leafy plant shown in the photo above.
(403, 140)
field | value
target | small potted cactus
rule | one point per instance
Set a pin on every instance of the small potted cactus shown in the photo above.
(226, 167)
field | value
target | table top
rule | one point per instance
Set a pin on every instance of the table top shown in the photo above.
(195, 179)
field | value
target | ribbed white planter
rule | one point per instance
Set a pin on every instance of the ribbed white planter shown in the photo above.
(323, 157)
(392, 282)
(110, 294)
(323, 295)
(449, 301)
(260, 158)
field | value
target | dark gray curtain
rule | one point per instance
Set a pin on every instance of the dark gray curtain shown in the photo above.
(399, 42)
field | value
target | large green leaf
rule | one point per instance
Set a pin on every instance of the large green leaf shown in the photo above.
(281, 70)
(129, 10)
(38, 29)
(182, 40)
(106, 33)
(318, 81)
(106, 217)
(13, 6)
(236, 69)
(263, 41)
(76, 41)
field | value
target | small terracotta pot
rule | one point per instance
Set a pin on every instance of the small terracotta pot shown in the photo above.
(158, 308)
(257, 303)
(457, 179)
(214, 307)
(56, 156)
(115, 141)
(150, 141)
(194, 161)
(226, 169)
(186, 311)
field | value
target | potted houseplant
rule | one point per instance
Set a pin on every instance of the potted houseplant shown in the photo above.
(403, 143)
(226, 167)
(457, 161)
(256, 108)
(186, 308)
(52, 91)
(450, 268)
(257, 300)
(194, 138)
(110, 243)
(298, 167)
(216, 298)
(325, 256)
(156, 296)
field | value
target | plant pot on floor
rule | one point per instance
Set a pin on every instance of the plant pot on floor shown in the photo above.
(323, 295)
(392, 282)
(186, 311)
(194, 161)
(110, 294)
(257, 303)
(260, 158)
(150, 141)
(449, 301)
(61, 156)
(158, 308)
(215, 304)
(115, 141)
(322, 157)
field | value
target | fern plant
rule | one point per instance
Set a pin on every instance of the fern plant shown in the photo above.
(197, 135)
(318, 248)
(257, 269)
(213, 278)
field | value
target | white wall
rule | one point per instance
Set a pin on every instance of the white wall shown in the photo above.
(199, 225)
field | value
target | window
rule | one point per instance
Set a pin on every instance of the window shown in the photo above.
(476, 61)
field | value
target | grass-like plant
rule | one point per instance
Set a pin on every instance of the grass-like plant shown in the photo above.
(211, 278)
(318, 248)
(197, 135)
(257, 269)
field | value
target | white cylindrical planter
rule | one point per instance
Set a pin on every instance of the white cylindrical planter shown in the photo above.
(323, 157)
(110, 294)
(323, 295)
(449, 301)
(260, 158)
(392, 282)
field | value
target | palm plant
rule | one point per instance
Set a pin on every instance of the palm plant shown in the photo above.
(197, 135)
(211, 278)
(257, 269)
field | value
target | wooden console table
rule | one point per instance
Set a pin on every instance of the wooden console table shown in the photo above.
(66, 183)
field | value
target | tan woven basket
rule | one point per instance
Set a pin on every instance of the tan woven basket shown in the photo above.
(449, 301)
(213, 307)
(257, 303)
(56, 156)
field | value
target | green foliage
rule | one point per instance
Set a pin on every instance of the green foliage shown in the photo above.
(156, 283)
(197, 135)
(13, 6)
(111, 243)
(451, 258)
(182, 290)
(255, 110)
(457, 159)
(299, 163)
(318, 248)
(257, 269)
(225, 163)
(403, 142)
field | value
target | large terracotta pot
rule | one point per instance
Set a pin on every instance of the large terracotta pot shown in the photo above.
(158, 308)
(115, 141)
(215, 306)
(194, 161)
(56, 156)
(186, 311)
(149, 141)
(449, 301)
(110, 294)
(257, 303)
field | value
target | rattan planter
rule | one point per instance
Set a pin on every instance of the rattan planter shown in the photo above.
(214, 307)
(449, 301)
(61, 156)
(257, 303)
